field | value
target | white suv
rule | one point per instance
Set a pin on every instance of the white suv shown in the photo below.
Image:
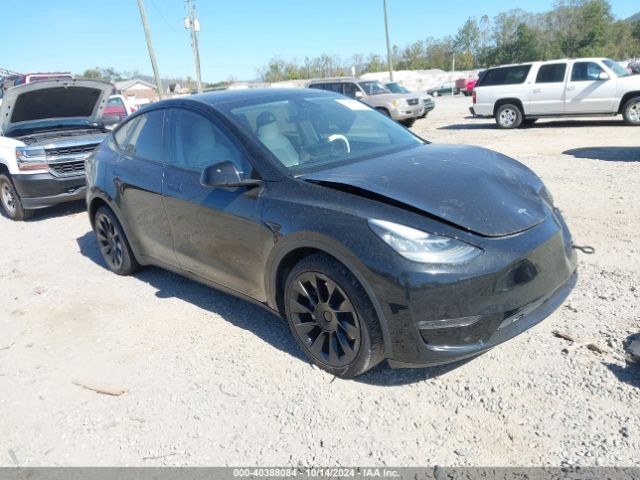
(520, 94)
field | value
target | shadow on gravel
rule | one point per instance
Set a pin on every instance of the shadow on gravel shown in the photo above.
(490, 125)
(629, 374)
(240, 313)
(610, 154)
(383, 376)
(59, 210)
(247, 316)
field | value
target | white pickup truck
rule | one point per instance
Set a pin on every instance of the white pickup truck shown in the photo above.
(47, 129)
(520, 94)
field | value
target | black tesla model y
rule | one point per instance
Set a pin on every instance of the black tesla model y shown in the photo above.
(373, 243)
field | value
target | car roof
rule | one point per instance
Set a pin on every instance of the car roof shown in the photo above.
(250, 94)
(543, 62)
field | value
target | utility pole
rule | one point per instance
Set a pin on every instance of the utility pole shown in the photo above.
(386, 30)
(152, 54)
(453, 72)
(192, 23)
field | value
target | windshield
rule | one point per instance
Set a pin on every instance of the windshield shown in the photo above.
(397, 88)
(373, 88)
(615, 66)
(316, 132)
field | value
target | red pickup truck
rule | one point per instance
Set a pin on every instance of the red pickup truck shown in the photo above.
(465, 85)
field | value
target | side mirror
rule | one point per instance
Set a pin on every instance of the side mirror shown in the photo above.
(359, 94)
(224, 175)
(603, 76)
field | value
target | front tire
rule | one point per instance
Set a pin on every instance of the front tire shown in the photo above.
(631, 111)
(332, 318)
(384, 111)
(434, 94)
(113, 244)
(11, 202)
(408, 122)
(508, 116)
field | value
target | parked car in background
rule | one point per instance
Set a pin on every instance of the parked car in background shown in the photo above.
(47, 130)
(447, 88)
(372, 243)
(426, 100)
(116, 110)
(520, 94)
(23, 78)
(465, 85)
(404, 108)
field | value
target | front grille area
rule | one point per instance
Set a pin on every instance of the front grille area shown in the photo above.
(71, 150)
(69, 160)
(412, 101)
(68, 168)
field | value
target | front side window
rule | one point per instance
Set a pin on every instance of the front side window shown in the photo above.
(586, 72)
(316, 131)
(505, 76)
(143, 136)
(373, 87)
(196, 143)
(552, 73)
(350, 89)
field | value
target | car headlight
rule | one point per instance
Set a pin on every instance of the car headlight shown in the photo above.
(423, 247)
(31, 158)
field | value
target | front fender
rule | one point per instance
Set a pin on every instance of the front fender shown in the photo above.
(328, 245)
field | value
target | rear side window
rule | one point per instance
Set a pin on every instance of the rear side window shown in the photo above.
(318, 86)
(552, 73)
(585, 72)
(505, 76)
(142, 137)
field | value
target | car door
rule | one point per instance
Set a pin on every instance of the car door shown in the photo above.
(217, 232)
(587, 92)
(548, 91)
(137, 174)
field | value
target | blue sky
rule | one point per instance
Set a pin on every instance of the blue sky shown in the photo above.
(237, 36)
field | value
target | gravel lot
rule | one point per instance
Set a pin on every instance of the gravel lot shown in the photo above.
(212, 380)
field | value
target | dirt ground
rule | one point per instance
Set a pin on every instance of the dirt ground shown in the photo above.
(212, 380)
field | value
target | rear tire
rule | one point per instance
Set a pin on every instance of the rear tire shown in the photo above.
(631, 111)
(508, 116)
(332, 318)
(11, 202)
(113, 244)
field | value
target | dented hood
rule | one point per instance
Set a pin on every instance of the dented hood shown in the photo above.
(54, 99)
(470, 187)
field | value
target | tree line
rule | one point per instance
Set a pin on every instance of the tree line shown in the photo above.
(573, 28)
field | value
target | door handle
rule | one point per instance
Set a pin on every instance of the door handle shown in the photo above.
(536, 90)
(570, 89)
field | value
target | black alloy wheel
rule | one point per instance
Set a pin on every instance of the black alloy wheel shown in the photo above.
(113, 244)
(332, 318)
